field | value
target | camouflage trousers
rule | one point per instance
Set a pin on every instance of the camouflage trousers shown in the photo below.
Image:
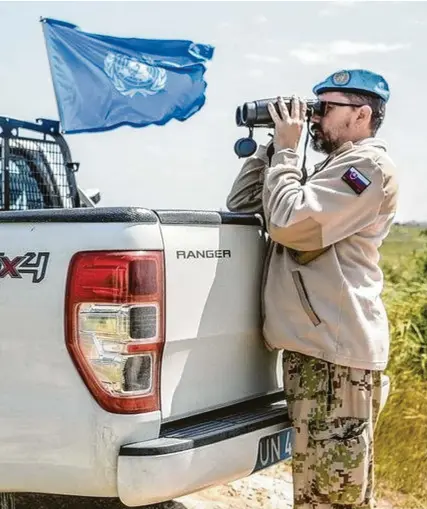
(333, 410)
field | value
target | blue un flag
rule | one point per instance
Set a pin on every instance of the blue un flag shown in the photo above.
(103, 82)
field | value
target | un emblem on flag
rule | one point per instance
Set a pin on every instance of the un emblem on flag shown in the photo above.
(131, 76)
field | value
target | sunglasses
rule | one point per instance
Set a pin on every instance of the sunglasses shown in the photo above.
(320, 108)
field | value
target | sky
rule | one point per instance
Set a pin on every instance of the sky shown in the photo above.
(262, 49)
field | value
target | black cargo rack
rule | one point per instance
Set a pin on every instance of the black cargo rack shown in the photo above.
(36, 168)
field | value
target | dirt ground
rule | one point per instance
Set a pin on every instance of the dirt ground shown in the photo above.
(268, 489)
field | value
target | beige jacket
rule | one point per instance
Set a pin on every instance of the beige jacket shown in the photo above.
(322, 290)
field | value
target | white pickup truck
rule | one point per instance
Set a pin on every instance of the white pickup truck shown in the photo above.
(131, 358)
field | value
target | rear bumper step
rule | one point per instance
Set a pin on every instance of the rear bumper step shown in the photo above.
(211, 428)
(196, 453)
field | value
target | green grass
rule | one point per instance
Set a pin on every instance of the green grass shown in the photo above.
(403, 241)
(401, 434)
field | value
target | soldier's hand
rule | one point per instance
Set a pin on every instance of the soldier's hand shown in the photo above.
(288, 129)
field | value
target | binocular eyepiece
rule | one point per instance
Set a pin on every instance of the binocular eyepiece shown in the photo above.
(256, 114)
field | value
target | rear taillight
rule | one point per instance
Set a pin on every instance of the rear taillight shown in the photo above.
(115, 326)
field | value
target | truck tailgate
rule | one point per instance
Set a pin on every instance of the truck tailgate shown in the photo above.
(214, 354)
(49, 418)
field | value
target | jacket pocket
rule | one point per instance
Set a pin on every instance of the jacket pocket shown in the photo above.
(302, 293)
(342, 461)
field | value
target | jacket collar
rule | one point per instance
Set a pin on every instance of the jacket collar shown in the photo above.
(372, 142)
(348, 145)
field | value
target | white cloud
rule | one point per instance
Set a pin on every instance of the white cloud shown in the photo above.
(269, 59)
(309, 56)
(344, 3)
(334, 7)
(309, 53)
(325, 12)
(353, 64)
(356, 48)
(260, 20)
(256, 73)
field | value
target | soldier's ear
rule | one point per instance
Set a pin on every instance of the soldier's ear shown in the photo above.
(364, 114)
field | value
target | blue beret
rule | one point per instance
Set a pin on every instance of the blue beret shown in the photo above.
(355, 80)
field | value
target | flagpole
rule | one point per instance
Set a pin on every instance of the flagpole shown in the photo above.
(43, 21)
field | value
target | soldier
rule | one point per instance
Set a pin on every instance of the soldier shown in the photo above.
(322, 287)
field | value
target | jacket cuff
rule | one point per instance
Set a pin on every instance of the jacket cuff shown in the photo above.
(287, 157)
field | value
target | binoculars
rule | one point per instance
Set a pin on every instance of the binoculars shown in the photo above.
(256, 114)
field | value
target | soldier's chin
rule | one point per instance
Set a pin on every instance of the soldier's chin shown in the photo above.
(317, 143)
(320, 144)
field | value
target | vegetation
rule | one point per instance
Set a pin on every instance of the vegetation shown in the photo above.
(401, 433)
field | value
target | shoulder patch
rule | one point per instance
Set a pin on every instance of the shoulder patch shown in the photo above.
(356, 180)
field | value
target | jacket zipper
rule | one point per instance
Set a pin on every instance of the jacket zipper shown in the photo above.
(302, 292)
